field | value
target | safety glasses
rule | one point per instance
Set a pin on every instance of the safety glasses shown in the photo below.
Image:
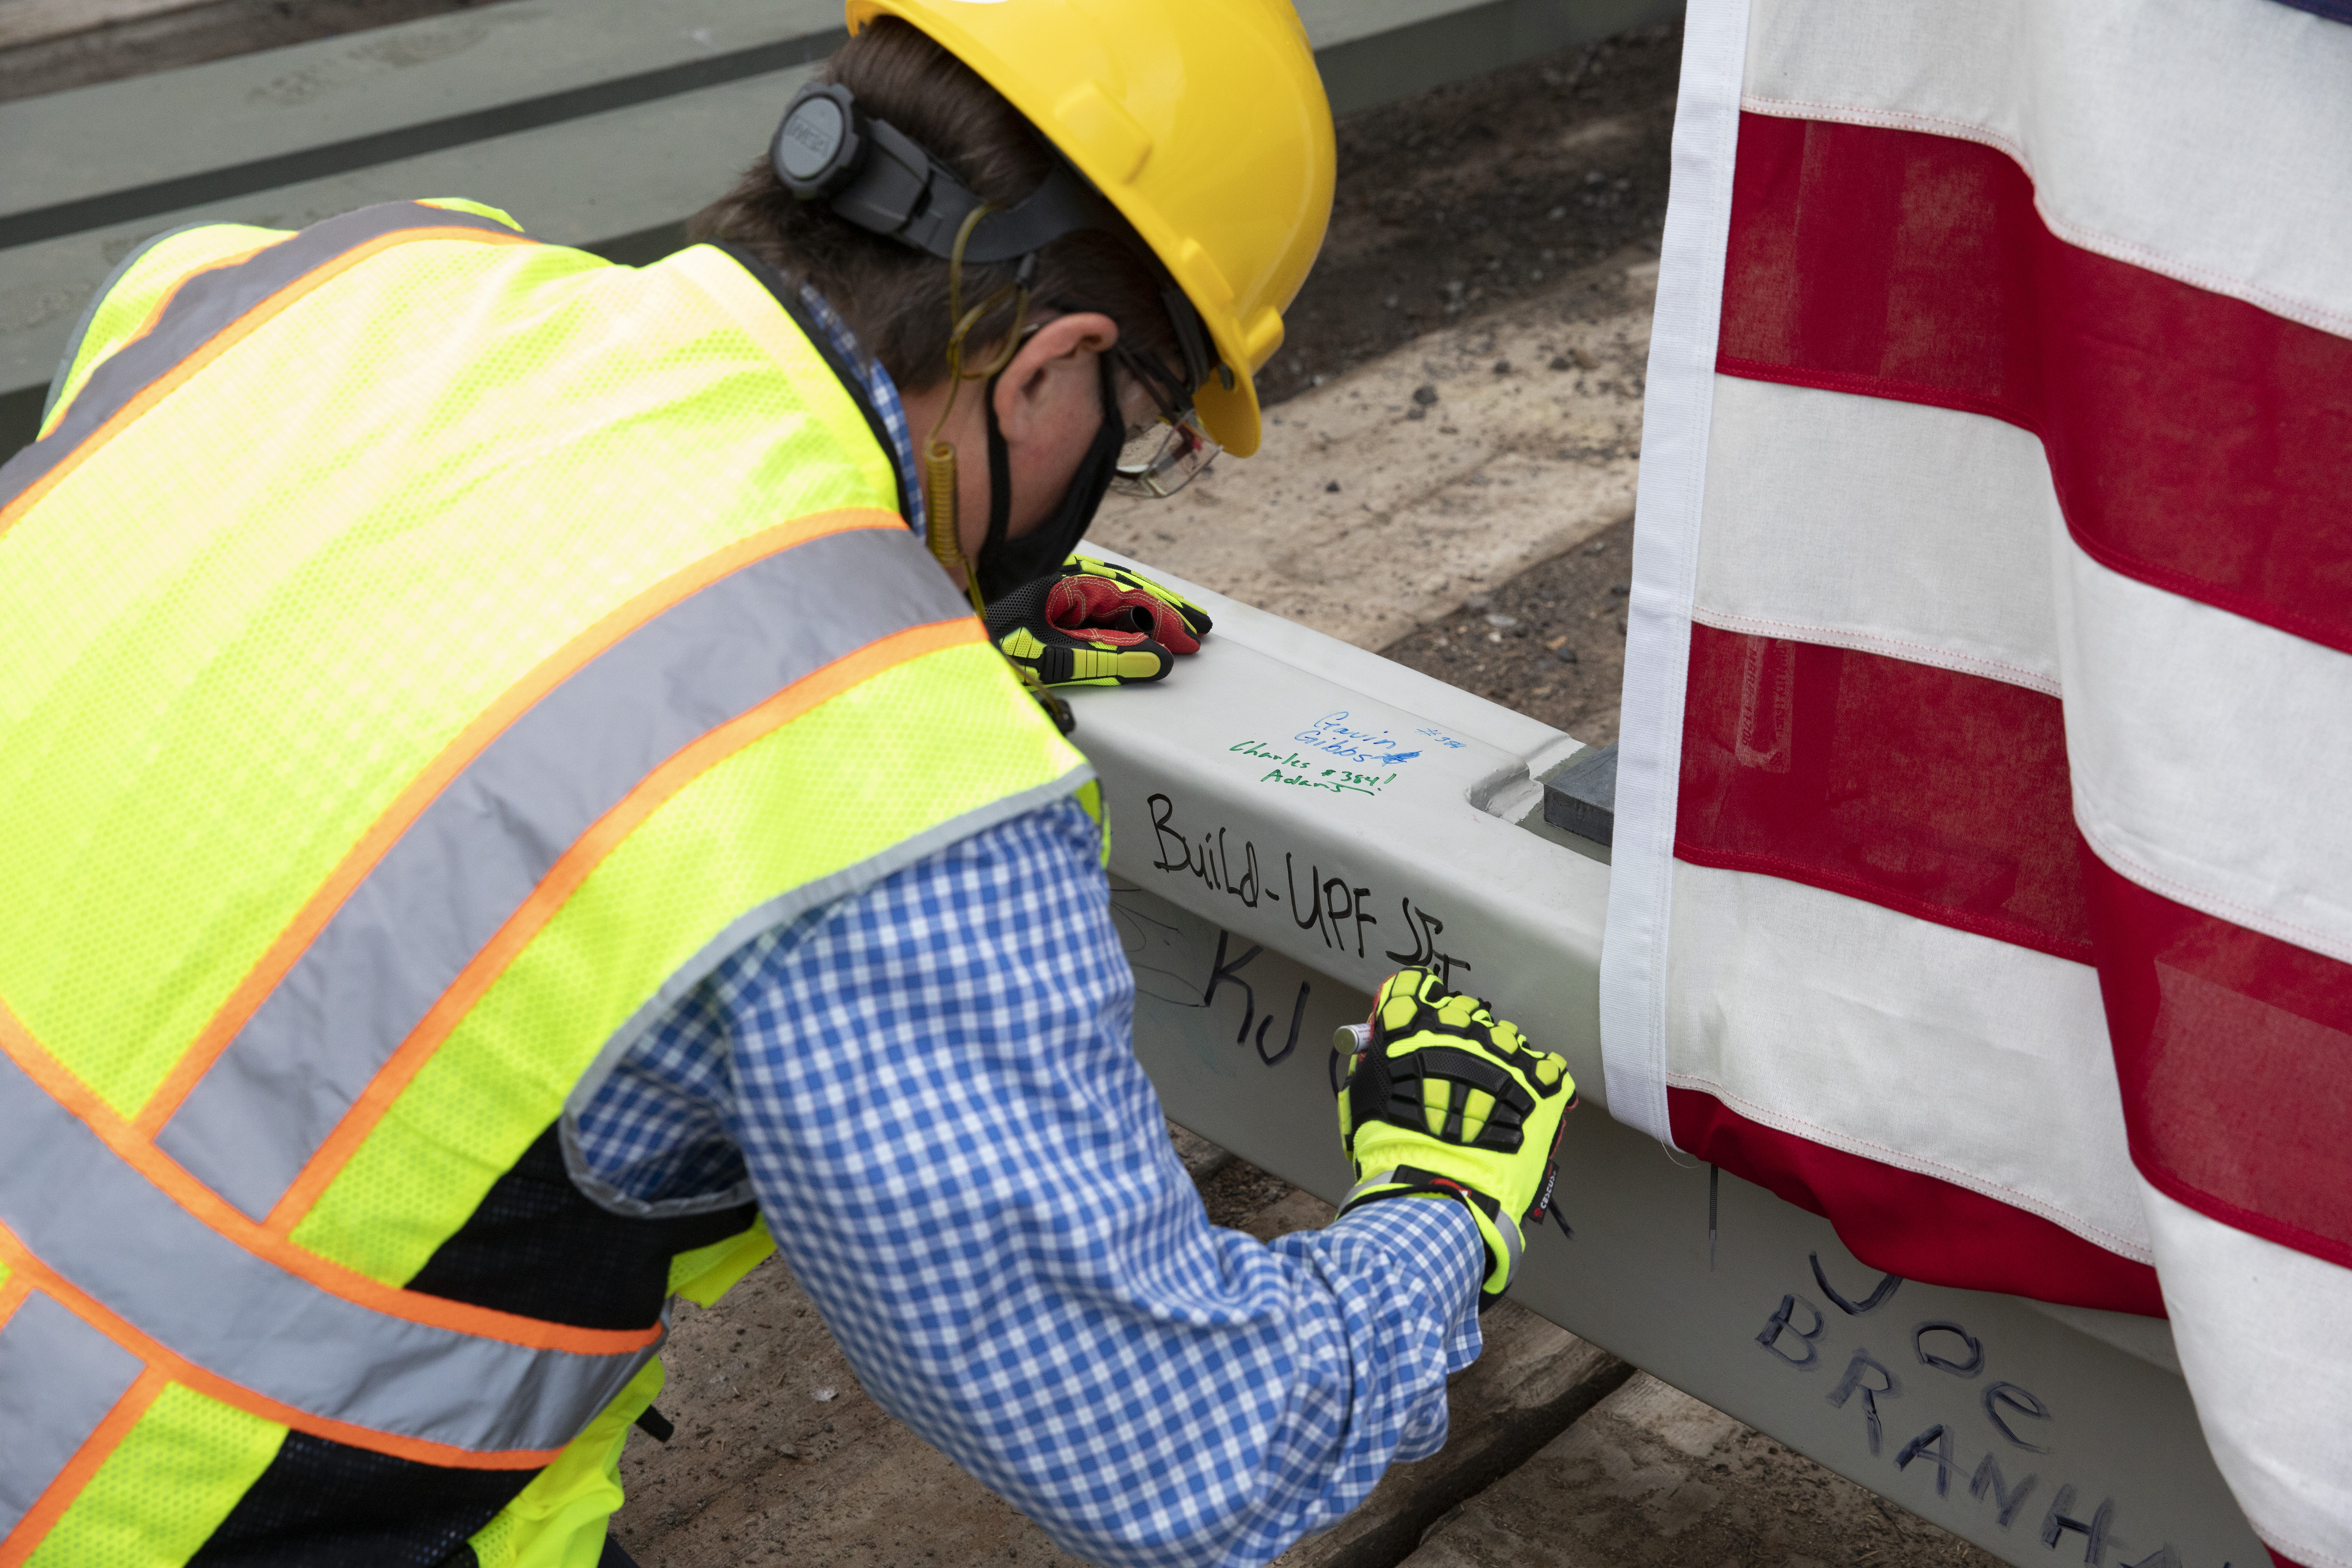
(1163, 456)
(1162, 459)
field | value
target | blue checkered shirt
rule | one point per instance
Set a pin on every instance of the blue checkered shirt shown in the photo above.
(881, 395)
(932, 1087)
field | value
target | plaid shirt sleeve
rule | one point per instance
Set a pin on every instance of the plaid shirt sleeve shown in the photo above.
(933, 1088)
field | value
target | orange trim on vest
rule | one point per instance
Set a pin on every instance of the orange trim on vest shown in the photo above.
(228, 337)
(11, 1295)
(312, 917)
(690, 762)
(94, 1450)
(210, 1208)
(177, 1368)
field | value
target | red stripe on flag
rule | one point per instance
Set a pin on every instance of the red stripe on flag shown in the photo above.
(2235, 1050)
(1939, 794)
(1918, 1226)
(2198, 443)
(1945, 796)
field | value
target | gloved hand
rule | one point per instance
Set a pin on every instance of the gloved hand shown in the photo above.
(1446, 1099)
(1093, 624)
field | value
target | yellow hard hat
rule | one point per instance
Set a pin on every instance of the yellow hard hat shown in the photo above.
(1204, 122)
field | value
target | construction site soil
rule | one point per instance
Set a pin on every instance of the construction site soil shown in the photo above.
(1453, 439)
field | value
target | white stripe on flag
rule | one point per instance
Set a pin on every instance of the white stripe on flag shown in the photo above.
(1915, 1045)
(2201, 139)
(1894, 528)
(2260, 1329)
(2210, 754)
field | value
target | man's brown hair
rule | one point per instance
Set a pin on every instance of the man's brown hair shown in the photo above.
(895, 297)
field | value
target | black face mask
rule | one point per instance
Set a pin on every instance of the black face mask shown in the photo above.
(1006, 564)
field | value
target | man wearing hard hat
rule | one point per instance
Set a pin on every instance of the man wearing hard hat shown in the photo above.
(509, 820)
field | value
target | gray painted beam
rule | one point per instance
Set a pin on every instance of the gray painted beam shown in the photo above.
(1241, 877)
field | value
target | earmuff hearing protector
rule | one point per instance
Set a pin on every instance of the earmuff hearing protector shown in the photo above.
(882, 180)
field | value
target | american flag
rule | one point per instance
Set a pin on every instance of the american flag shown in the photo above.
(1983, 867)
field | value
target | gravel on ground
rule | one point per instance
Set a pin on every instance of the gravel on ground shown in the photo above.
(1550, 642)
(1384, 498)
(1466, 200)
(1653, 1479)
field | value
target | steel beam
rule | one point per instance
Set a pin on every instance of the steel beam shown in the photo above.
(1292, 818)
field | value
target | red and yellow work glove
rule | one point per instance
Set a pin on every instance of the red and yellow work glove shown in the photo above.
(1093, 624)
(1445, 1099)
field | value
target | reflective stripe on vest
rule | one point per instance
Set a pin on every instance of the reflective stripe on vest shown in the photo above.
(206, 314)
(94, 1232)
(475, 855)
(59, 1380)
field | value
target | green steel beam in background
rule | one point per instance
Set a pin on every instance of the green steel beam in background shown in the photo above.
(601, 123)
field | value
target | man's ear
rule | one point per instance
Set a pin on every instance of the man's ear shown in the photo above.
(1053, 374)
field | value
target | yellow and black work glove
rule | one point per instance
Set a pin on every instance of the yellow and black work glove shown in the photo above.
(1446, 1099)
(1093, 624)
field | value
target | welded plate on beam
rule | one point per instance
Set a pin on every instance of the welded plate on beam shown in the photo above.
(1259, 907)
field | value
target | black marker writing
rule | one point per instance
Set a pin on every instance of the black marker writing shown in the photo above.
(1852, 1384)
(1246, 887)
(1969, 1368)
(1353, 899)
(2008, 1396)
(1783, 1321)
(1870, 1303)
(1934, 1444)
(1311, 904)
(2005, 1501)
(2057, 1521)
(1424, 927)
(1221, 972)
(1297, 1016)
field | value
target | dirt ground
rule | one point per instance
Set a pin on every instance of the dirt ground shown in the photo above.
(1550, 642)
(1522, 179)
(1653, 1479)
(1465, 201)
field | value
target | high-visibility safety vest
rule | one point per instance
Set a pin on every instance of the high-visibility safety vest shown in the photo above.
(427, 653)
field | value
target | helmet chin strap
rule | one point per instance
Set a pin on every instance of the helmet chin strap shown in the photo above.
(1005, 563)
(940, 478)
(999, 483)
